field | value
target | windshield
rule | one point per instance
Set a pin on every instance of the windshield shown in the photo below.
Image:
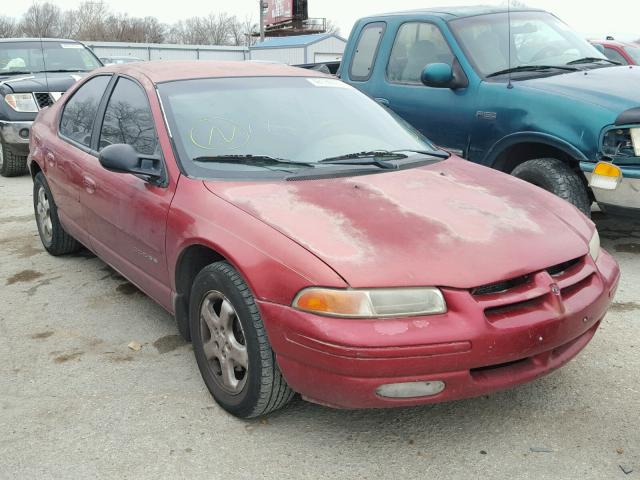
(295, 119)
(26, 57)
(537, 38)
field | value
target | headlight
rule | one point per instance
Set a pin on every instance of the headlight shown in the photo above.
(594, 245)
(21, 102)
(635, 139)
(374, 303)
(621, 142)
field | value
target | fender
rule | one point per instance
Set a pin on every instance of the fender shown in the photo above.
(531, 137)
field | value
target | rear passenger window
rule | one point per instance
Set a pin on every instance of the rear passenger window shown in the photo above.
(416, 46)
(366, 49)
(128, 119)
(80, 111)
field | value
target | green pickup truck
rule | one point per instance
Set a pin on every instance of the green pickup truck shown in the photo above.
(519, 92)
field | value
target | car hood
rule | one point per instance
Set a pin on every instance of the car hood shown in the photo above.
(451, 224)
(607, 87)
(37, 82)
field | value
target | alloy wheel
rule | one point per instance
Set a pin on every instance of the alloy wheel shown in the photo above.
(224, 343)
(43, 213)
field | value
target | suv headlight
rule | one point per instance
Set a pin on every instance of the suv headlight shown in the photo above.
(21, 102)
(373, 303)
(594, 245)
(621, 142)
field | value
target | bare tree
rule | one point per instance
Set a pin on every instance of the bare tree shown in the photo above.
(331, 27)
(8, 27)
(90, 17)
(41, 20)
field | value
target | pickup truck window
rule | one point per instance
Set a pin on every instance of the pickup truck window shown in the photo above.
(128, 119)
(366, 49)
(416, 45)
(80, 111)
(538, 38)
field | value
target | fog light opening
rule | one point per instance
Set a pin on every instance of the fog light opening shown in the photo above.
(410, 389)
(24, 133)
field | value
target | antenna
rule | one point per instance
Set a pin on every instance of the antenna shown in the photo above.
(44, 65)
(509, 84)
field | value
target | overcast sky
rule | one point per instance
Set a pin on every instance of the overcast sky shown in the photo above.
(597, 19)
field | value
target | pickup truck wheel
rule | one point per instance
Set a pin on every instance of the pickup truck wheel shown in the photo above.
(53, 236)
(231, 345)
(11, 164)
(558, 178)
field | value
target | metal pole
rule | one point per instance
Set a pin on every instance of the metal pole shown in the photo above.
(262, 5)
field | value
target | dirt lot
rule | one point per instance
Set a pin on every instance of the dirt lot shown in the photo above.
(76, 402)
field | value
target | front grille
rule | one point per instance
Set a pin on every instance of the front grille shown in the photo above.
(532, 297)
(43, 99)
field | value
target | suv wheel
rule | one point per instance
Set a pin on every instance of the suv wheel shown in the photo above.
(11, 165)
(231, 345)
(53, 236)
(558, 178)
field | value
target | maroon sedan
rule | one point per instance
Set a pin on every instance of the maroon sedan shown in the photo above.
(307, 240)
(622, 52)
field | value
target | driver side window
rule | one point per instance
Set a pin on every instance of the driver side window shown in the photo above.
(417, 44)
(128, 119)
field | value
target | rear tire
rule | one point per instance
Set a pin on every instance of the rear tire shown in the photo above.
(11, 164)
(231, 346)
(556, 177)
(52, 234)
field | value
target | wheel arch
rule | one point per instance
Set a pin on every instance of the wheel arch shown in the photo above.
(191, 260)
(512, 150)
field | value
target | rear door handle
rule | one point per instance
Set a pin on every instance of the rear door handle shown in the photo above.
(382, 101)
(51, 159)
(89, 184)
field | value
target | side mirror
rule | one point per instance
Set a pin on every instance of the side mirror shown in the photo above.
(438, 75)
(442, 75)
(122, 158)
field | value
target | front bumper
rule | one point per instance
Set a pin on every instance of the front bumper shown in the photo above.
(341, 363)
(16, 134)
(625, 199)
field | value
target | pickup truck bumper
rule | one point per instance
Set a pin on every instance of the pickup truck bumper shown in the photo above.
(16, 135)
(473, 349)
(625, 199)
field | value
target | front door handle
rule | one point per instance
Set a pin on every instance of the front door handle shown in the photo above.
(89, 184)
(382, 101)
(51, 159)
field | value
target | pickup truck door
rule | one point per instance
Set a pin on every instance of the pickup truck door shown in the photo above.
(443, 115)
(127, 215)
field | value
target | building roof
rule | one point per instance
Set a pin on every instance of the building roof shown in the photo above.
(295, 40)
(166, 71)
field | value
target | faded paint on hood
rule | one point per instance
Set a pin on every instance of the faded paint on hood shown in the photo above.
(452, 224)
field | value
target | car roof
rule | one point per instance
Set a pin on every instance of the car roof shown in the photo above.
(159, 71)
(615, 43)
(29, 39)
(452, 13)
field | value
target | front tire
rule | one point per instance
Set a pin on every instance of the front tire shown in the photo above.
(11, 164)
(556, 177)
(52, 234)
(231, 346)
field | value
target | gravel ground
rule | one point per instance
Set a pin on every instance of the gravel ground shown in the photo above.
(76, 402)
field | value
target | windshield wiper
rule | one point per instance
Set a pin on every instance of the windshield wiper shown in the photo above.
(531, 68)
(256, 160)
(374, 157)
(17, 72)
(592, 60)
